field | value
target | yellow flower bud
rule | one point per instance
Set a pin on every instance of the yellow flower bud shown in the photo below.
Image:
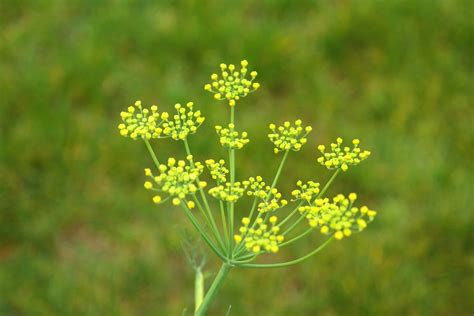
(148, 185)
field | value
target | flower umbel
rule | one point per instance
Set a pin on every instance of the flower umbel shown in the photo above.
(306, 191)
(339, 217)
(229, 192)
(186, 121)
(342, 157)
(232, 85)
(288, 137)
(139, 122)
(263, 238)
(230, 138)
(177, 179)
(218, 170)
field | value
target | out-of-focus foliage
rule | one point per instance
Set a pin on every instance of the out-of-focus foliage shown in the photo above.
(80, 236)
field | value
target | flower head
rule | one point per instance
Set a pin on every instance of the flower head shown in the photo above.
(231, 85)
(306, 191)
(257, 187)
(262, 238)
(218, 170)
(272, 200)
(339, 217)
(139, 122)
(342, 157)
(177, 179)
(229, 192)
(288, 137)
(186, 121)
(229, 137)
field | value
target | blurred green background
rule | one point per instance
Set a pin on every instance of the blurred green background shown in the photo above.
(79, 234)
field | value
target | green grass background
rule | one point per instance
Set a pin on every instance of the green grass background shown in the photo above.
(79, 234)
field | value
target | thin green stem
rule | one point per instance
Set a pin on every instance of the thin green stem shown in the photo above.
(306, 232)
(294, 224)
(152, 153)
(208, 221)
(203, 234)
(290, 215)
(288, 263)
(328, 184)
(230, 206)
(210, 217)
(280, 168)
(198, 288)
(211, 293)
(224, 225)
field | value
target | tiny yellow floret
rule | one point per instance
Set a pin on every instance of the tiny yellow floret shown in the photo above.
(148, 185)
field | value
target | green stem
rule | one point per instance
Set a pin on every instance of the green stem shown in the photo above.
(198, 289)
(224, 224)
(328, 184)
(280, 168)
(211, 293)
(297, 237)
(209, 216)
(294, 224)
(230, 206)
(290, 215)
(201, 231)
(152, 153)
(288, 263)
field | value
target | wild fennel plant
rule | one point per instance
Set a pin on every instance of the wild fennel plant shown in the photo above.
(259, 231)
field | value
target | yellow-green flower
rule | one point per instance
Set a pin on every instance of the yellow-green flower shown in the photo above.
(342, 157)
(257, 187)
(306, 191)
(288, 136)
(218, 170)
(186, 121)
(177, 179)
(232, 84)
(139, 122)
(272, 201)
(229, 192)
(263, 238)
(230, 138)
(339, 217)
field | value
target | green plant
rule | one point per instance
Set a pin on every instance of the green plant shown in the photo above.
(260, 232)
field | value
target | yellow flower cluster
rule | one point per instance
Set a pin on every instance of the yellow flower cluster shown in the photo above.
(218, 170)
(257, 187)
(186, 121)
(228, 192)
(229, 137)
(288, 137)
(139, 122)
(176, 179)
(264, 238)
(339, 217)
(272, 201)
(342, 157)
(306, 191)
(232, 84)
